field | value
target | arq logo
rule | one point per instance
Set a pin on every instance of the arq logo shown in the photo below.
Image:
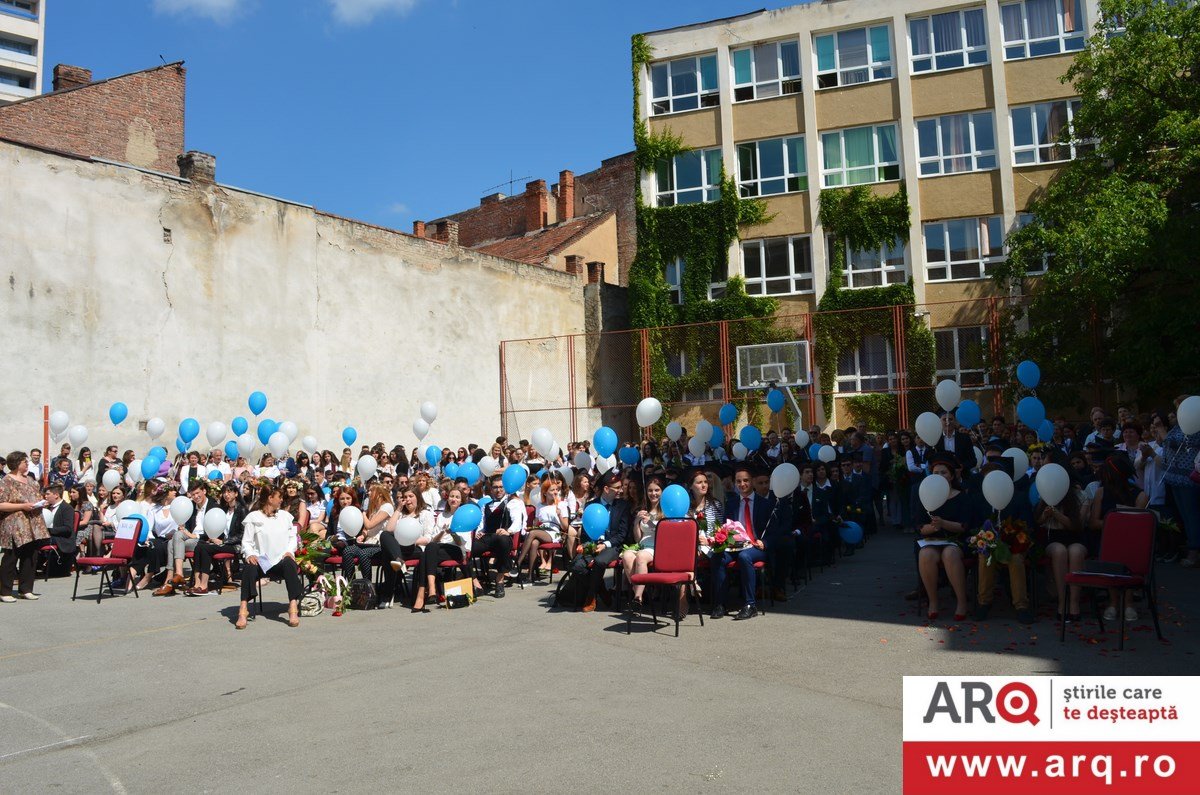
(1016, 702)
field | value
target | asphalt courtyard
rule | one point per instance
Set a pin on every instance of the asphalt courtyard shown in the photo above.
(152, 694)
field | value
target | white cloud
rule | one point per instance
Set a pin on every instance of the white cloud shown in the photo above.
(217, 10)
(399, 208)
(360, 12)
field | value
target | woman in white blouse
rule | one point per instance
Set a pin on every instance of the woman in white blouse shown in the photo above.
(411, 505)
(551, 521)
(269, 547)
(365, 546)
(443, 545)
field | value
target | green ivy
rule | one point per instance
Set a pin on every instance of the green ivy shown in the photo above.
(878, 412)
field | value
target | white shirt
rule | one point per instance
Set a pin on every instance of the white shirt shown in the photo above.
(164, 525)
(268, 538)
(35, 471)
(1149, 477)
(912, 463)
(222, 467)
(372, 535)
(516, 515)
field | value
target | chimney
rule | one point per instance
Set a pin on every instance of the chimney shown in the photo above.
(566, 196)
(575, 264)
(67, 76)
(446, 232)
(595, 271)
(535, 205)
(418, 229)
(198, 167)
(492, 198)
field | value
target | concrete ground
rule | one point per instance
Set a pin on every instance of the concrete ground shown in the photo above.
(152, 694)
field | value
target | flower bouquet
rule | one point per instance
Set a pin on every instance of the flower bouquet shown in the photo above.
(990, 544)
(311, 555)
(1016, 535)
(729, 537)
(586, 548)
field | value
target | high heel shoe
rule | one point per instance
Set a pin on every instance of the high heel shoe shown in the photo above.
(932, 615)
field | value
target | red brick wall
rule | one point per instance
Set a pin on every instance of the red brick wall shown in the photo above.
(493, 220)
(135, 118)
(612, 187)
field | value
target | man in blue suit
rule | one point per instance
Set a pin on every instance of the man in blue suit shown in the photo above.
(755, 514)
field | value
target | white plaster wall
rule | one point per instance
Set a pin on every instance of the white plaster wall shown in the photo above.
(338, 323)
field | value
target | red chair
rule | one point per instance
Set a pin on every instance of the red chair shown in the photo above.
(674, 564)
(1127, 540)
(124, 548)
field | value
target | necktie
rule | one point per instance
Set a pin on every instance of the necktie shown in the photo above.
(748, 516)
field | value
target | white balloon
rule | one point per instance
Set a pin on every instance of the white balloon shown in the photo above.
(696, 446)
(214, 522)
(422, 449)
(739, 451)
(674, 431)
(649, 411)
(245, 445)
(488, 465)
(555, 452)
(278, 443)
(605, 464)
(350, 521)
(367, 466)
(1053, 482)
(428, 412)
(827, 453)
(979, 458)
(59, 422)
(58, 437)
(543, 441)
(1020, 462)
(309, 443)
(704, 431)
(802, 439)
(89, 476)
(929, 428)
(77, 436)
(1187, 415)
(215, 433)
(535, 497)
(420, 429)
(135, 470)
(155, 428)
(784, 480)
(568, 475)
(948, 394)
(111, 479)
(408, 530)
(182, 509)
(126, 509)
(997, 489)
(289, 429)
(934, 491)
(583, 461)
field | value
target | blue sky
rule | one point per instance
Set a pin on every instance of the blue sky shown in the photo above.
(385, 110)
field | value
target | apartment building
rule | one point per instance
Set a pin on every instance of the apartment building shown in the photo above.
(22, 31)
(961, 103)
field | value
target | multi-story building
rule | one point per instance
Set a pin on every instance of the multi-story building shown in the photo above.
(22, 31)
(962, 103)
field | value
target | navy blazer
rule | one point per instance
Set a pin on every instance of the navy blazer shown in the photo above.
(764, 518)
(964, 451)
(62, 528)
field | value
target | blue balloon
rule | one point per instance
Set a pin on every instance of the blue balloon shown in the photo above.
(257, 404)
(348, 435)
(751, 437)
(215, 475)
(432, 456)
(718, 438)
(968, 413)
(1029, 374)
(813, 449)
(1031, 411)
(159, 452)
(188, 429)
(150, 466)
(483, 501)
(1033, 493)
(466, 519)
(181, 445)
(470, 471)
(605, 441)
(775, 400)
(239, 426)
(595, 521)
(629, 456)
(117, 412)
(851, 532)
(451, 470)
(231, 451)
(1045, 431)
(675, 501)
(728, 414)
(265, 429)
(513, 479)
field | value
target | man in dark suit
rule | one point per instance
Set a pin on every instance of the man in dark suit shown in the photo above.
(956, 442)
(61, 522)
(608, 549)
(854, 497)
(757, 515)
(778, 538)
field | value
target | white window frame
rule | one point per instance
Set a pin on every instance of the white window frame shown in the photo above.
(795, 280)
(876, 68)
(781, 86)
(1024, 219)
(940, 163)
(1018, 45)
(752, 187)
(705, 97)
(958, 372)
(842, 171)
(972, 54)
(1073, 146)
(852, 384)
(984, 262)
(710, 182)
(680, 360)
(674, 278)
(886, 270)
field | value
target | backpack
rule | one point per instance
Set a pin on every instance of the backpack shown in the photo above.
(572, 588)
(361, 596)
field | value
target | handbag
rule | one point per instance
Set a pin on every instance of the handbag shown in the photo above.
(361, 596)
(459, 593)
(310, 605)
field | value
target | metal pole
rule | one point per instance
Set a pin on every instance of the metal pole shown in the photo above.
(45, 444)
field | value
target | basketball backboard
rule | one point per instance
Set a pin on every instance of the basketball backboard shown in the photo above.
(783, 364)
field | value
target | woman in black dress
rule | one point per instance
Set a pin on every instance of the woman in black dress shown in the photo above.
(940, 539)
(1068, 544)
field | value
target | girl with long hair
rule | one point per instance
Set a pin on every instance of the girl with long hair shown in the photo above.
(647, 518)
(366, 544)
(443, 546)
(269, 546)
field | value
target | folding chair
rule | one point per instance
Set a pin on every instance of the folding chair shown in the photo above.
(674, 564)
(124, 548)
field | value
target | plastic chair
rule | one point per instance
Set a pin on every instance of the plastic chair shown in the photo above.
(674, 564)
(124, 548)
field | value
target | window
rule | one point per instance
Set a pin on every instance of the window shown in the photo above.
(859, 156)
(1041, 27)
(853, 56)
(948, 41)
(689, 178)
(766, 70)
(875, 267)
(766, 168)
(684, 84)
(680, 364)
(1042, 133)
(963, 248)
(959, 353)
(674, 277)
(16, 80)
(778, 265)
(19, 8)
(954, 144)
(1024, 219)
(867, 368)
(15, 45)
